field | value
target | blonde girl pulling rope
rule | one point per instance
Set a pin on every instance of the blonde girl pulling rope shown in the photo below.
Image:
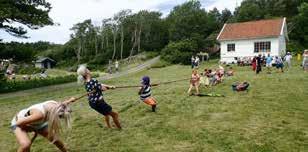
(44, 119)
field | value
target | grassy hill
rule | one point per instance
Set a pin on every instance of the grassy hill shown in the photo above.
(272, 116)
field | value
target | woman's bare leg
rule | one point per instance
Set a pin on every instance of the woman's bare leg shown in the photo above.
(57, 142)
(197, 89)
(23, 140)
(115, 117)
(107, 120)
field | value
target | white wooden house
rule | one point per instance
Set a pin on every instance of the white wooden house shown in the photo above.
(248, 39)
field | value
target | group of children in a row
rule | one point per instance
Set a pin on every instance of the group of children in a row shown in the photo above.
(208, 78)
(44, 118)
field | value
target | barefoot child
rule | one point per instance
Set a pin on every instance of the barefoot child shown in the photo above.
(194, 82)
(43, 119)
(96, 100)
(145, 93)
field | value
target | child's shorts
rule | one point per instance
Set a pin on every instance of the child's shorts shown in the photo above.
(150, 101)
(101, 107)
(279, 66)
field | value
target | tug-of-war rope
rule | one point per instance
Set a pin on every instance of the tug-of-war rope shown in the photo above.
(154, 84)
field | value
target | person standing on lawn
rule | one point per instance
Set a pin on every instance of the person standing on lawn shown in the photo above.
(279, 63)
(305, 60)
(259, 64)
(269, 60)
(116, 66)
(194, 82)
(288, 58)
(254, 63)
(192, 62)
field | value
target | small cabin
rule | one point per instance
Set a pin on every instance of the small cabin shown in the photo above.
(45, 63)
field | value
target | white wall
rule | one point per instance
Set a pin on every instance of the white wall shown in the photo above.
(245, 48)
(282, 46)
(38, 65)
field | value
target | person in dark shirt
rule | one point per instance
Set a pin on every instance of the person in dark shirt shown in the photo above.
(95, 96)
(259, 64)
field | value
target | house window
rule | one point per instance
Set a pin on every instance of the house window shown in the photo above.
(262, 47)
(231, 47)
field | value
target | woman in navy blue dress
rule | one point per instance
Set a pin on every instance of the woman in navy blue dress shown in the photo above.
(95, 97)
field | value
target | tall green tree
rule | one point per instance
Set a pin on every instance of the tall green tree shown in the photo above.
(31, 13)
(300, 33)
(81, 31)
(190, 21)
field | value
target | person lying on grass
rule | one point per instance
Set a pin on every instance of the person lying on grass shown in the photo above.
(95, 97)
(145, 93)
(194, 82)
(44, 119)
(243, 86)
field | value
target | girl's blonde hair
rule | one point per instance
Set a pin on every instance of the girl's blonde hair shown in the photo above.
(81, 72)
(194, 71)
(54, 117)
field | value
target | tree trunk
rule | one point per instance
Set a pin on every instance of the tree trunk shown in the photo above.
(134, 40)
(139, 36)
(96, 44)
(122, 40)
(114, 43)
(103, 39)
(78, 52)
(107, 41)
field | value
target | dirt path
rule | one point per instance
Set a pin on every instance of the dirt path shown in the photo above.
(74, 84)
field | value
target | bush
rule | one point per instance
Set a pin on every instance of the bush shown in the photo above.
(295, 47)
(2, 76)
(150, 55)
(29, 70)
(11, 86)
(179, 52)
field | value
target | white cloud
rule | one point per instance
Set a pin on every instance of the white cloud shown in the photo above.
(69, 12)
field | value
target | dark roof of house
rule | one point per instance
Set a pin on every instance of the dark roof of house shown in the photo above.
(252, 29)
(44, 59)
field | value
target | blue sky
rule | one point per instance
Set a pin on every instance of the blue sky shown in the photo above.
(69, 12)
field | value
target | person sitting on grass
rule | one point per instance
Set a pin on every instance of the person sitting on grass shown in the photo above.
(230, 72)
(204, 80)
(194, 82)
(212, 77)
(44, 119)
(218, 76)
(145, 93)
(95, 97)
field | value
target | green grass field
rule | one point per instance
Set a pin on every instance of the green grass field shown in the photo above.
(271, 117)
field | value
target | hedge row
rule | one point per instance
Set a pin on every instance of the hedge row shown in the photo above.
(11, 86)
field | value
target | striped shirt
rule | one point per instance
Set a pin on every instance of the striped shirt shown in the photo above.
(146, 92)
